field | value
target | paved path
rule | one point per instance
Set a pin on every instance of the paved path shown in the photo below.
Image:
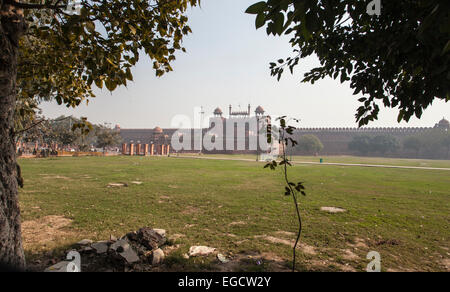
(318, 163)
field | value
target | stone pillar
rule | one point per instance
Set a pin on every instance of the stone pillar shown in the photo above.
(168, 150)
(152, 149)
(131, 149)
(162, 149)
(145, 149)
(138, 149)
(124, 149)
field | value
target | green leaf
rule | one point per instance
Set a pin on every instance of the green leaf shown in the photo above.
(99, 83)
(256, 8)
(260, 20)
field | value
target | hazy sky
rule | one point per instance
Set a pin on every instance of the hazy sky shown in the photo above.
(227, 62)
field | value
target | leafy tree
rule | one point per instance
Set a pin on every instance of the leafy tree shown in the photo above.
(433, 143)
(384, 144)
(310, 144)
(446, 143)
(62, 55)
(400, 59)
(107, 136)
(365, 144)
(291, 188)
(360, 144)
(413, 143)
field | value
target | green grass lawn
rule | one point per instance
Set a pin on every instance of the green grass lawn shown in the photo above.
(344, 159)
(239, 208)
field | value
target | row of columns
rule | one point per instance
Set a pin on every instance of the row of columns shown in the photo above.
(23, 145)
(145, 149)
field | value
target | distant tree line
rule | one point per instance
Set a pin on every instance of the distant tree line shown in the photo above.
(308, 145)
(433, 144)
(70, 131)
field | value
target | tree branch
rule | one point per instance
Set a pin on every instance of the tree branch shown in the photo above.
(34, 6)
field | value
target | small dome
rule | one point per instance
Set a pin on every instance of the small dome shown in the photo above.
(157, 130)
(444, 123)
(218, 111)
(259, 110)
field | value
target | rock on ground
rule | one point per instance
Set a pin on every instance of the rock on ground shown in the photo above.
(222, 258)
(147, 237)
(84, 242)
(200, 251)
(59, 267)
(332, 209)
(100, 247)
(158, 257)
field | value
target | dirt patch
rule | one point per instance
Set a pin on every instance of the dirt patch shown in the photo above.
(446, 263)
(277, 240)
(190, 210)
(243, 260)
(358, 243)
(237, 243)
(332, 209)
(286, 233)
(176, 236)
(345, 268)
(237, 223)
(349, 255)
(303, 246)
(56, 177)
(45, 229)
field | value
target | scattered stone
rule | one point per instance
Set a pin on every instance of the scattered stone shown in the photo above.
(100, 247)
(222, 258)
(123, 248)
(117, 185)
(136, 182)
(158, 257)
(134, 251)
(59, 267)
(237, 223)
(147, 237)
(161, 232)
(200, 251)
(185, 256)
(84, 242)
(120, 243)
(332, 209)
(129, 255)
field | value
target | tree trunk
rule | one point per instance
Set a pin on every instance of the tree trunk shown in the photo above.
(11, 28)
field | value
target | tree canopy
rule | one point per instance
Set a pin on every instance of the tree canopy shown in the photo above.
(310, 144)
(63, 54)
(48, 52)
(400, 59)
